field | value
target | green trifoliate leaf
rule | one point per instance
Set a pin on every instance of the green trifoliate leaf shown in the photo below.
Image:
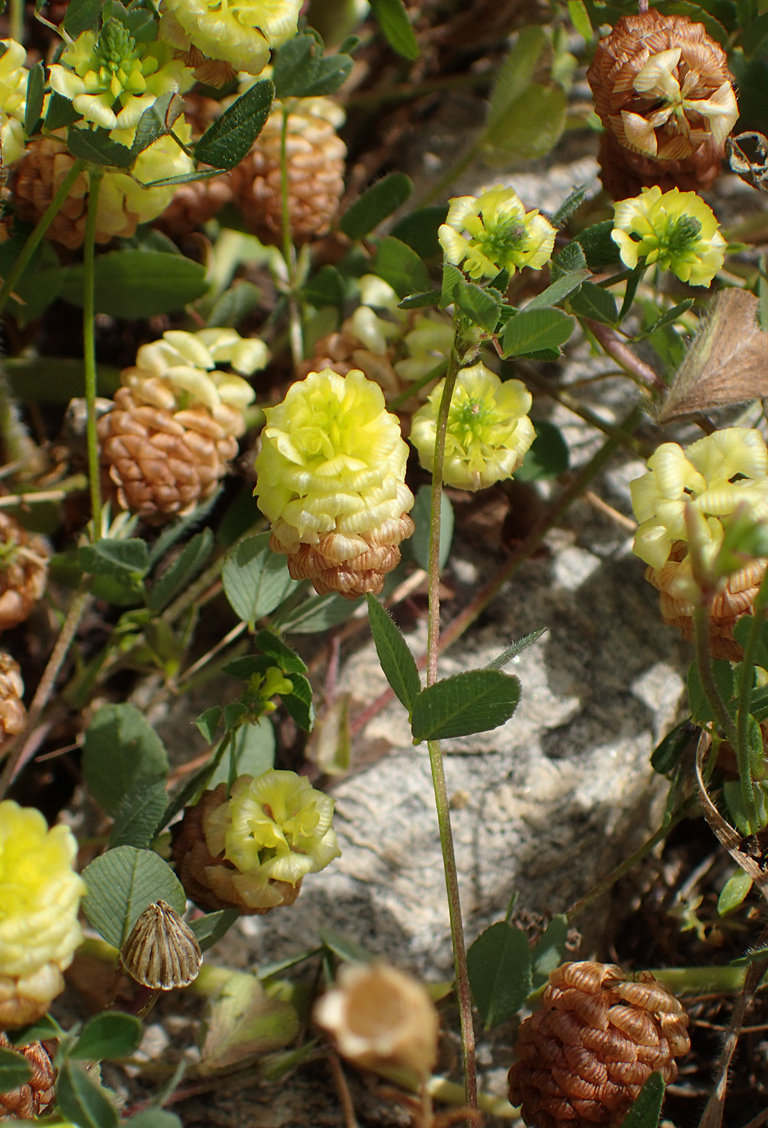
(109, 1035)
(124, 882)
(531, 331)
(393, 21)
(499, 968)
(120, 749)
(256, 579)
(397, 264)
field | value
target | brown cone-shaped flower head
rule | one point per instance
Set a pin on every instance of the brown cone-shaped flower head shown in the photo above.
(663, 89)
(23, 571)
(586, 1053)
(29, 1100)
(381, 1018)
(174, 427)
(315, 157)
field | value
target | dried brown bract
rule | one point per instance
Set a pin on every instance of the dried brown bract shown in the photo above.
(13, 715)
(596, 1038)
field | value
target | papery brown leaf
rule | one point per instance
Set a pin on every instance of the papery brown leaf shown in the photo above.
(727, 362)
(243, 1023)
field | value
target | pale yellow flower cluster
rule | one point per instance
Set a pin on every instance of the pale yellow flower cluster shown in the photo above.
(717, 476)
(39, 899)
(273, 828)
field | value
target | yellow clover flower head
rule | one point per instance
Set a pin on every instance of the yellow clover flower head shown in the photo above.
(241, 33)
(494, 232)
(331, 480)
(701, 476)
(675, 229)
(111, 79)
(488, 431)
(272, 831)
(179, 371)
(39, 899)
(13, 100)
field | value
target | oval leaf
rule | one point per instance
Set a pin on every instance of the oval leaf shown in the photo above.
(108, 1035)
(256, 579)
(418, 545)
(396, 660)
(82, 1099)
(532, 330)
(499, 969)
(228, 141)
(646, 1110)
(121, 884)
(397, 264)
(475, 701)
(393, 21)
(375, 204)
(120, 749)
(15, 1070)
(135, 284)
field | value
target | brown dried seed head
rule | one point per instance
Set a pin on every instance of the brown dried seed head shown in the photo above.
(29, 1100)
(315, 165)
(592, 1044)
(162, 951)
(23, 571)
(730, 604)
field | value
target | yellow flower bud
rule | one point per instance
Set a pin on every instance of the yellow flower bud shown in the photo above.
(381, 1019)
(39, 899)
(488, 431)
(331, 476)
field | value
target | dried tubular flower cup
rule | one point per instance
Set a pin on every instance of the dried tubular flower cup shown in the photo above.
(663, 90)
(23, 571)
(27, 1101)
(161, 951)
(13, 715)
(381, 1018)
(596, 1038)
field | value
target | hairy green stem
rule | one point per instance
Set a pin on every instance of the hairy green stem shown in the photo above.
(745, 693)
(435, 752)
(46, 686)
(36, 237)
(296, 333)
(723, 718)
(95, 174)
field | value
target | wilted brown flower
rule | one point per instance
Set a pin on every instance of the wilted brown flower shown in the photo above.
(596, 1038)
(29, 1100)
(23, 571)
(663, 91)
(381, 1018)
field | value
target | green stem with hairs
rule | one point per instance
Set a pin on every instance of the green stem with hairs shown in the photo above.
(458, 355)
(95, 174)
(745, 693)
(296, 333)
(36, 237)
(723, 718)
